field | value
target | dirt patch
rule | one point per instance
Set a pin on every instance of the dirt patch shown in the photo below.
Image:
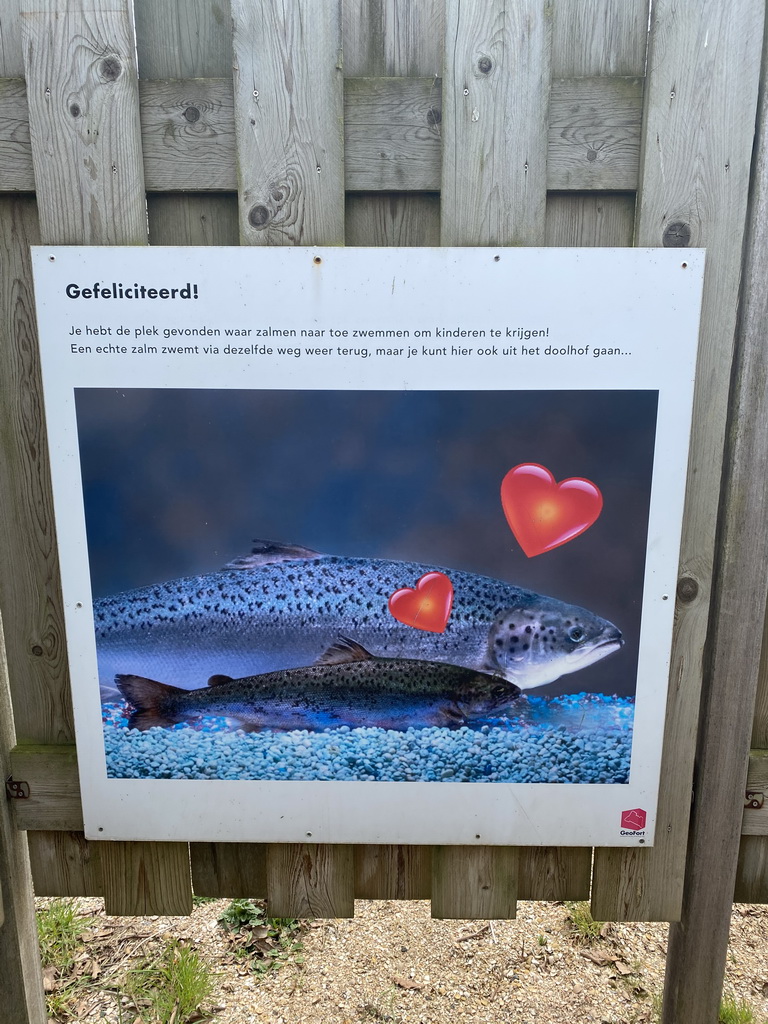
(394, 965)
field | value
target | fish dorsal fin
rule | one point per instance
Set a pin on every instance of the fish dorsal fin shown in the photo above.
(219, 680)
(344, 651)
(270, 552)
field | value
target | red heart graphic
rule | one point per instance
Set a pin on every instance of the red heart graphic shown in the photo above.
(428, 606)
(544, 514)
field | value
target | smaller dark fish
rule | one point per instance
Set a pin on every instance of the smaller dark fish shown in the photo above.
(348, 686)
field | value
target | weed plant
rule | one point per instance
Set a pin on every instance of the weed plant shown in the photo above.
(267, 943)
(169, 987)
(586, 929)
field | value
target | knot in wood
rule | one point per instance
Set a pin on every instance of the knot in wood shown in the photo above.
(258, 216)
(677, 235)
(110, 69)
(434, 117)
(687, 588)
(192, 114)
(37, 650)
(74, 109)
(485, 65)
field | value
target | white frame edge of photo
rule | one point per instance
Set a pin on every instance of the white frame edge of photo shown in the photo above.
(513, 319)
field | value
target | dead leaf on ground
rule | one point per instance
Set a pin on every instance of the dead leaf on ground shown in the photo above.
(402, 982)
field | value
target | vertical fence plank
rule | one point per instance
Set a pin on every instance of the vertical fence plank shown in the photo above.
(83, 98)
(740, 585)
(760, 723)
(65, 864)
(703, 70)
(82, 87)
(752, 871)
(289, 129)
(479, 883)
(393, 872)
(231, 870)
(21, 980)
(288, 122)
(496, 86)
(309, 880)
(146, 878)
(393, 38)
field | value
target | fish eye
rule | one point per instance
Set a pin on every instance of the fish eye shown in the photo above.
(576, 634)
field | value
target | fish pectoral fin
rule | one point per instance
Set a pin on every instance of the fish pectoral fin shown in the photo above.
(219, 680)
(343, 652)
(270, 552)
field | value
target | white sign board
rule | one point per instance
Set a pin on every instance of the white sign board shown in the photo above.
(369, 545)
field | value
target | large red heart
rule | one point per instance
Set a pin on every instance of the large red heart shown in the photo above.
(428, 606)
(544, 514)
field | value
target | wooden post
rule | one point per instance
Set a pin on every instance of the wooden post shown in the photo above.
(698, 944)
(21, 976)
(703, 70)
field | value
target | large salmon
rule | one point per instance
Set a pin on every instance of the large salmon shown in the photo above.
(282, 606)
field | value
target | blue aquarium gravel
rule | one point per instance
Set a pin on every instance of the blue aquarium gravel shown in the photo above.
(579, 738)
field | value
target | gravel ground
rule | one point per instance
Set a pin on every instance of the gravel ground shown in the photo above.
(393, 964)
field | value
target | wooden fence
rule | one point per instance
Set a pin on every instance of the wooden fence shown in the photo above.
(402, 122)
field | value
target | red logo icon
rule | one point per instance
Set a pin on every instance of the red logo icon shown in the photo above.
(428, 606)
(633, 820)
(542, 513)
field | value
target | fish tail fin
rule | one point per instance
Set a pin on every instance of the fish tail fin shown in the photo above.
(153, 702)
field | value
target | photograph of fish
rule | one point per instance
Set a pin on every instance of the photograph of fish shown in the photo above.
(414, 638)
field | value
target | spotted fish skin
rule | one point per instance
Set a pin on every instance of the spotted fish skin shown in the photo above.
(268, 612)
(352, 689)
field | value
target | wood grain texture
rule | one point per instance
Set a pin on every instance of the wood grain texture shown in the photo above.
(393, 872)
(392, 129)
(496, 86)
(310, 880)
(755, 819)
(84, 121)
(478, 883)
(11, 59)
(393, 37)
(288, 122)
(594, 133)
(65, 864)
(393, 219)
(16, 174)
(54, 787)
(184, 38)
(554, 873)
(574, 220)
(600, 37)
(392, 134)
(704, 69)
(192, 220)
(188, 135)
(760, 723)
(21, 981)
(146, 878)
(229, 870)
(30, 595)
(752, 870)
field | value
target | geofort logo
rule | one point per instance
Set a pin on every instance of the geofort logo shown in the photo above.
(633, 822)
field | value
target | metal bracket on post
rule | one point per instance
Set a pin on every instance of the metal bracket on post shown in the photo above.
(16, 790)
(753, 800)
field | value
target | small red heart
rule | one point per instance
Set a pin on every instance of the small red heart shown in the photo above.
(428, 606)
(544, 514)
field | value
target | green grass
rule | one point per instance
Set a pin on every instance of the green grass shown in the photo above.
(59, 927)
(585, 927)
(171, 986)
(732, 1012)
